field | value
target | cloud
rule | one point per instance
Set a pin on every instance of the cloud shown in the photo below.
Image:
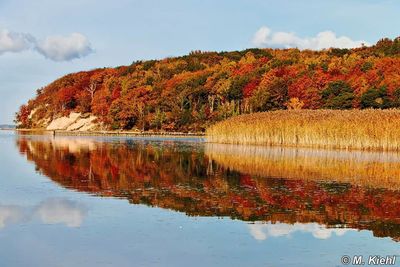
(261, 231)
(56, 48)
(61, 211)
(264, 37)
(14, 42)
(64, 48)
(50, 211)
(10, 215)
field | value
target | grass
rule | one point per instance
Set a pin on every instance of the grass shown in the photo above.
(342, 129)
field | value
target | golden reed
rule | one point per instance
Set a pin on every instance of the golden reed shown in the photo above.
(375, 169)
(344, 129)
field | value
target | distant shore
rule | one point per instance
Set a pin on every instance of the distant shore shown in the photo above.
(107, 133)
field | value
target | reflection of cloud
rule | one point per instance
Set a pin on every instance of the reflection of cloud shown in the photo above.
(50, 211)
(261, 231)
(53, 211)
(10, 215)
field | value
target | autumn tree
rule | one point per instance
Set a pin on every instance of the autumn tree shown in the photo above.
(193, 91)
(294, 104)
(22, 117)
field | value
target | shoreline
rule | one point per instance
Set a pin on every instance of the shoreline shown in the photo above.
(203, 135)
(107, 133)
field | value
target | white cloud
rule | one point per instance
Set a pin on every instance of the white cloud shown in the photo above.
(64, 48)
(61, 211)
(9, 215)
(50, 211)
(14, 42)
(264, 37)
(261, 231)
(56, 48)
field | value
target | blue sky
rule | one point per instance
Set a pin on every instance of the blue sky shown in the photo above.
(112, 33)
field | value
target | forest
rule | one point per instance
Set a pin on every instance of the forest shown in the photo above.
(192, 92)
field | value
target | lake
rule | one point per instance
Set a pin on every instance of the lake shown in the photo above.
(103, 201)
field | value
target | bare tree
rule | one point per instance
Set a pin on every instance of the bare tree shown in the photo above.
(91, 89)
(140, 109)
(211, 102)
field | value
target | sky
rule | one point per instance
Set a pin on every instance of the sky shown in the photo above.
(43, 40)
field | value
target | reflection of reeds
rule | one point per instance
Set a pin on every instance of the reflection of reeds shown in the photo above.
(359, 129)
(373, 169)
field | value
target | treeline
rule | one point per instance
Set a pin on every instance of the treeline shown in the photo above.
(191, 92)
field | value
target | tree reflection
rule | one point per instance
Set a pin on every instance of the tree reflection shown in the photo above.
(205, 181)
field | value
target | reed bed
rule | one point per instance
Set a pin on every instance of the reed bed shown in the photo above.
(343, 129)
(374, 169)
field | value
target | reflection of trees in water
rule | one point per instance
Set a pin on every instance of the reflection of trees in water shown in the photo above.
(183, 177)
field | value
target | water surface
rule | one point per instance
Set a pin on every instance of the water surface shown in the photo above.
(84, 201)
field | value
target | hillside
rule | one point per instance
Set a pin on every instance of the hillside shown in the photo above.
(190, 93)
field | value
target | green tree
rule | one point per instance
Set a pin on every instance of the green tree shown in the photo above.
(235, 91)
(396, 98)
(260, 100)
(338, 95)
(159, 118)
(376, 98)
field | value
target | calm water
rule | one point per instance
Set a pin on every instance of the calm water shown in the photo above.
(165, 202)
